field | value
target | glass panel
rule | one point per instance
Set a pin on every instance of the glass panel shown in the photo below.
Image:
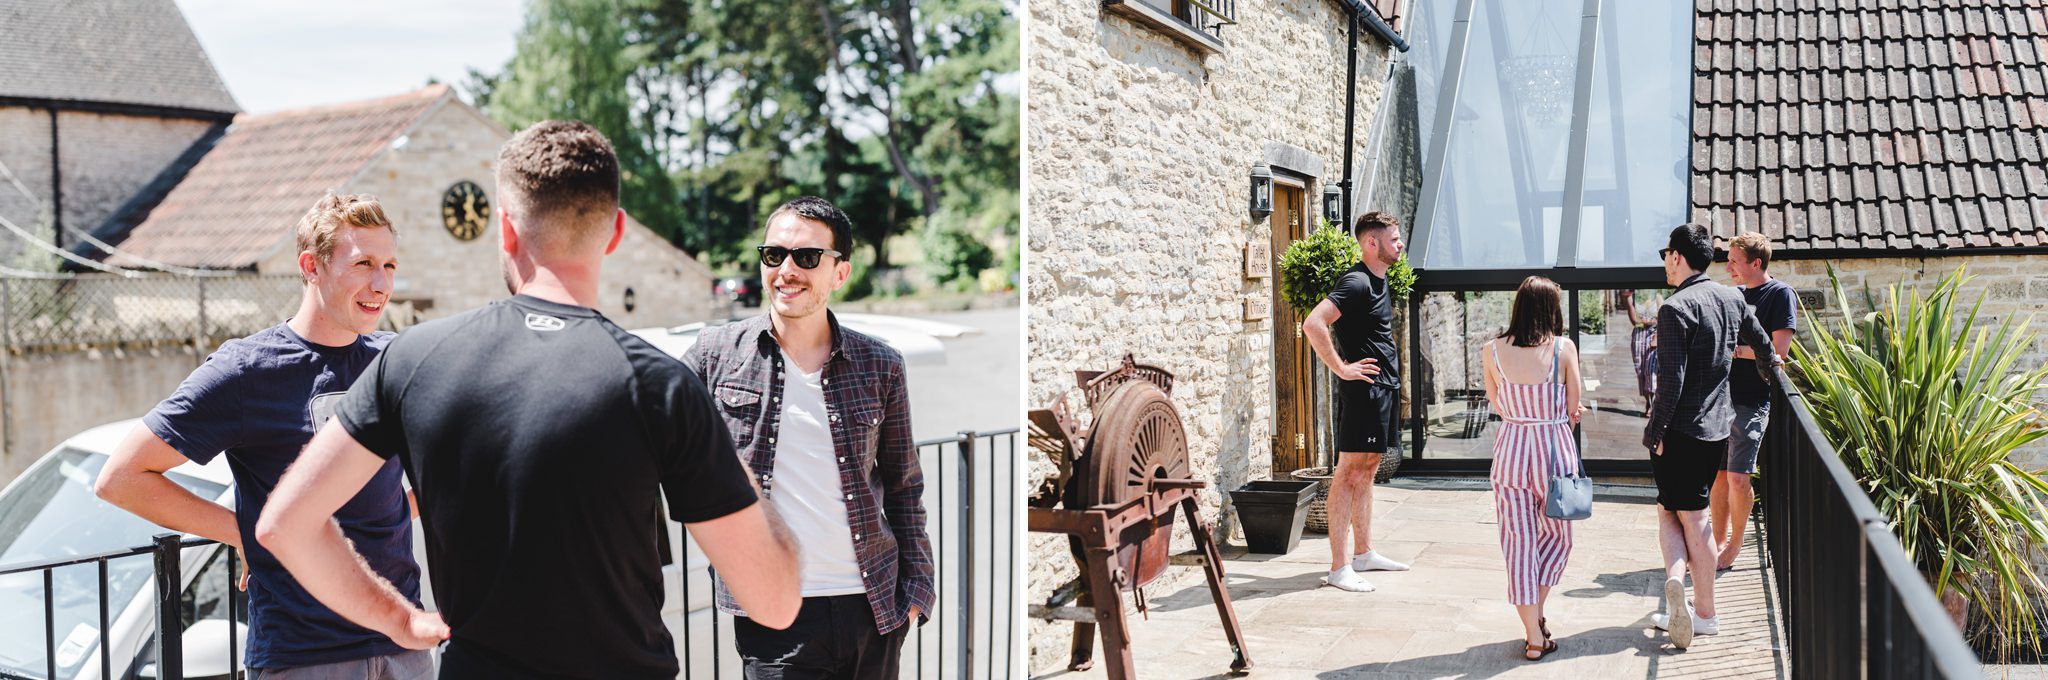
(1638, 134)
(1504, 176)
(1450, 384)
(1612, 347)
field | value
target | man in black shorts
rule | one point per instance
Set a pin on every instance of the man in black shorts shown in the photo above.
(1697, 330)
(536, 434)
(1361, 312)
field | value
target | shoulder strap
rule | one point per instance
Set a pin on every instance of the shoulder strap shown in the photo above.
(1500, 373)
(1556, 348)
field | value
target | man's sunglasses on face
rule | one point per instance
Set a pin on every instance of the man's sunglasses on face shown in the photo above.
(1663, 253)
(807, 258)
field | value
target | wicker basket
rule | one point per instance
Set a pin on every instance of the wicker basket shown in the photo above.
(1319, 509)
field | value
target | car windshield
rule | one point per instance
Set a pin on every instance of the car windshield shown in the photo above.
(52, 513)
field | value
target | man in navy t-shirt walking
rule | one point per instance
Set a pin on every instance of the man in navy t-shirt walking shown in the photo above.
(1777, 308)
(259, 399)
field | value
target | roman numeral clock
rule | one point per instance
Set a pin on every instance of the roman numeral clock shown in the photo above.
(465, 210)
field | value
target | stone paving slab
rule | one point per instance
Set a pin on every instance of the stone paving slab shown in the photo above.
(1449, 616)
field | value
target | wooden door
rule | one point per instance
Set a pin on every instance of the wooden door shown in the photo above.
(1293, 361)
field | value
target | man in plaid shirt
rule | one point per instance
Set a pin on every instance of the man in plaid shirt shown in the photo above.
(821, 416)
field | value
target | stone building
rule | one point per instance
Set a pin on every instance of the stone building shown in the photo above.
(1892, 142)
(96, 100)
(423, 154)
(1147, 121)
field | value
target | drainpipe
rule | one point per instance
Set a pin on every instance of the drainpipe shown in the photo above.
(1372, 20)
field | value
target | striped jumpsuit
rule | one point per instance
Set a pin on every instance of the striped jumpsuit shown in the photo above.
(1536, 435)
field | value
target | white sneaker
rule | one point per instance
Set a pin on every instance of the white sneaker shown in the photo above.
(1372, 560)
(1698, 625)
(1343, 578)
(1680, 626)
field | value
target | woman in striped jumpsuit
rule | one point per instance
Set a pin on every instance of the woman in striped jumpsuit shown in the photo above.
(1532, 381)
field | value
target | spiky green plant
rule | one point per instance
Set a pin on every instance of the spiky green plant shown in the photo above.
(1924, 405)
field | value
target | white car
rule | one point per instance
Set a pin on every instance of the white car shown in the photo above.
(50, 512)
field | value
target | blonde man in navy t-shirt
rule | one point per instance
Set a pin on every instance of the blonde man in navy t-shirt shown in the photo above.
(258, 400)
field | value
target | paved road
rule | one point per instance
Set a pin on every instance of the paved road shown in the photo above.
(978, 387)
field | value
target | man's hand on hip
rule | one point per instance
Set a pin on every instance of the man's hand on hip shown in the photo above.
(1361, 369)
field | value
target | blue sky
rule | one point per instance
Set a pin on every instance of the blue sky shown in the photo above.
(281, 55)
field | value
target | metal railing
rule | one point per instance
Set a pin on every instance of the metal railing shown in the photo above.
(971, 488)
(167, 554)
(1854, 604)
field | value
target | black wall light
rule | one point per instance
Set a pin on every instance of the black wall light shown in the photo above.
(1262, 191)
(1333, 204)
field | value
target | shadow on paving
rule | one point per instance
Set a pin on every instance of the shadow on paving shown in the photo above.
(1449, 617)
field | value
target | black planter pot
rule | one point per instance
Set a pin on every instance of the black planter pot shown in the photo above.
(1272, 512)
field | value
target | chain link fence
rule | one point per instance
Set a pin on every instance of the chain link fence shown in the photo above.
(81, 312)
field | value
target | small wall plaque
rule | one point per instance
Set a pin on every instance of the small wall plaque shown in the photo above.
(1257, 307)
(1258, 260)
(1812, 299)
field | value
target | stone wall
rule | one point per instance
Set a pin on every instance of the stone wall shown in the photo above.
(456, 143)
(2013, 286)
(1141, 153)
(105, 159)
(50, 396)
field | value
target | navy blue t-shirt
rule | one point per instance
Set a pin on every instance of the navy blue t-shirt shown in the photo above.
(256, 399)
(1777, 308)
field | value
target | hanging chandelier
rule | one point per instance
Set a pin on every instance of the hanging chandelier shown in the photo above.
(1541, 85)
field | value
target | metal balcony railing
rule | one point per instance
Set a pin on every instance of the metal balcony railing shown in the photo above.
(1854, 604)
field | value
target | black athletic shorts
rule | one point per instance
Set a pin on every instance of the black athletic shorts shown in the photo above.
(1685, 473)
(1365, 417)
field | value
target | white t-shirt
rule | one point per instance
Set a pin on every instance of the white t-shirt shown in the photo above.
(807, 492)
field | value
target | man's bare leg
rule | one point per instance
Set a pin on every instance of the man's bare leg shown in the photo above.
(1717, 505)
(1349, 492)
(1361, 511)
(1737, 496)
(1671, 544)
(1699, 545)
(1348, 487)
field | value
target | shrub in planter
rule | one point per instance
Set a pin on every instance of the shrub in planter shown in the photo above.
(1924, 404)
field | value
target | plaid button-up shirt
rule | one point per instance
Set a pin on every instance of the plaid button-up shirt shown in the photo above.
(1697, 330)
(868, 406)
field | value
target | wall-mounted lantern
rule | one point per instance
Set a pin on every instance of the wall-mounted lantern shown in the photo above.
(1262, 191)
(1333, 205)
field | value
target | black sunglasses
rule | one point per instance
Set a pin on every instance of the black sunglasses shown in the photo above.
(807, 258)
(1663, 253)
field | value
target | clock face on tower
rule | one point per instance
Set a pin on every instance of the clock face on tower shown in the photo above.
(465, 210)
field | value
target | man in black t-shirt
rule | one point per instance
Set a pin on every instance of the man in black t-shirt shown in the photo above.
(1777, 308)
(536, 433)
(1361, 312)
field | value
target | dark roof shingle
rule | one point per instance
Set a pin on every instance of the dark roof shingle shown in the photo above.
(138, 52)
(1872, 124)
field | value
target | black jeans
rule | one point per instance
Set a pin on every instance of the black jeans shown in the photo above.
(832, 637)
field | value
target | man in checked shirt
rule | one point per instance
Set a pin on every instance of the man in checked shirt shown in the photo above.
(821, 416)
(1698, 329)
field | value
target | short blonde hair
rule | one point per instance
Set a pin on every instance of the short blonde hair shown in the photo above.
(317, 228)
(1753, 246)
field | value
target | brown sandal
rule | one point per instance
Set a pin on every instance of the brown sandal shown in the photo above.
(1543, 651)
(1543, 624)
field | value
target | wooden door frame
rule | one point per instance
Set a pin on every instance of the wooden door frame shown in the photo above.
(1284, 318)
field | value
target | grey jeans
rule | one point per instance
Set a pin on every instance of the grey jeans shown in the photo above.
(413, 665)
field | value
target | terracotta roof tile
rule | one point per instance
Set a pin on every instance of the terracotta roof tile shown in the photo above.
(240, 202)
(1874, 123)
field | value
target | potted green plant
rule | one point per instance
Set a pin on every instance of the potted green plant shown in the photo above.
(1925, 405)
